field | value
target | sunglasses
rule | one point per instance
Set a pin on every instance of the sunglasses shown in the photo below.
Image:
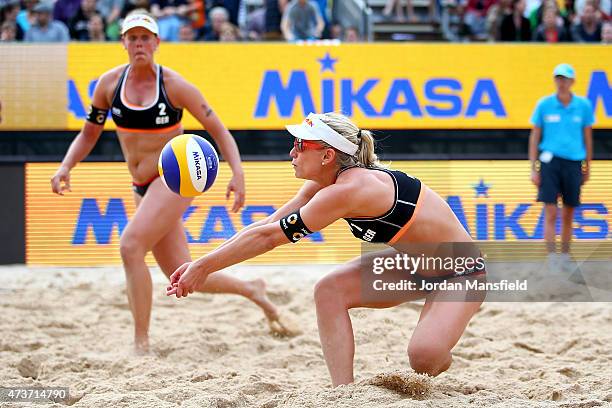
(300, 145)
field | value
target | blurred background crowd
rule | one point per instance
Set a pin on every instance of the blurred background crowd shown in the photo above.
(548, 21)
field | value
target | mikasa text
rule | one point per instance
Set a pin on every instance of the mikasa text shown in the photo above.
(196, 161)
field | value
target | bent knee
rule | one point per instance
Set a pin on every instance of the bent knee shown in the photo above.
(330, 290)
(324, 290)
(429, 358)
(131, 248)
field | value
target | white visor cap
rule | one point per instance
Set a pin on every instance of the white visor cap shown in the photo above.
(313, 128)
(139, 20)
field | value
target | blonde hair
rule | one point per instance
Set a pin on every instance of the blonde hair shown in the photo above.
(365, 156)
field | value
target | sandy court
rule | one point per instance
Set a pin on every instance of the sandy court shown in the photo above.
(72, 327)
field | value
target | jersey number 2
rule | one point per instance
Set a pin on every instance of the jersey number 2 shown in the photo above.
(163, 118)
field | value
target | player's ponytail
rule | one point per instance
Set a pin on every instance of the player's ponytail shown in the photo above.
(365, 156)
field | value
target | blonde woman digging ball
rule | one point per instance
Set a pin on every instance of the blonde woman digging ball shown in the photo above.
(344, 179)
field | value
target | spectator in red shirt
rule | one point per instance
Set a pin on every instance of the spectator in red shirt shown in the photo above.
(550, 31)
(196, 14)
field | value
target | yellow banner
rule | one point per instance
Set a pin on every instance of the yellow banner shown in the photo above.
(494, 200)
(33, 87)
(266, 86)
(382, 86)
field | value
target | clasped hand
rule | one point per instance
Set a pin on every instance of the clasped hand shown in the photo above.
(185, 280)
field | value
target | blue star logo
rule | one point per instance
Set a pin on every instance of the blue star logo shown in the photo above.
(327, 62)
(481, 189)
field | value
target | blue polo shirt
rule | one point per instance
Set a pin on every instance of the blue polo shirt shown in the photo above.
(562, 126)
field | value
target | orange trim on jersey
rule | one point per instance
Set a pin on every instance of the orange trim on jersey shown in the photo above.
(160, 130)
(145, 183)
(406, 226)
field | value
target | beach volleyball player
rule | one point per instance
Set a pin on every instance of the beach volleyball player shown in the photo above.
(146, 102)
(346, 180)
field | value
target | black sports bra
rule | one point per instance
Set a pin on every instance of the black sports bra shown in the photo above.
(388, 226)
(159, 116)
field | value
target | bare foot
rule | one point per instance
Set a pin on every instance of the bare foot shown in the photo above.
(279, 324)
(260, 297)
(284, 327)
(141, 345)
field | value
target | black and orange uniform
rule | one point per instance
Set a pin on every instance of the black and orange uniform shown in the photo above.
(389, 227)
(158, 117)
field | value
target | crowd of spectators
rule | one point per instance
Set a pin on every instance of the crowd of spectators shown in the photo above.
(550, 21)
(303, 20)
(179, 20)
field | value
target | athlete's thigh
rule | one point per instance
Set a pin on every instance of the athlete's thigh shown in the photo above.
(444, 322)
(156, 215)
(172, 251)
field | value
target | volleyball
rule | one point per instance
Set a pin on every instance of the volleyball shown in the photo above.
(188, 165)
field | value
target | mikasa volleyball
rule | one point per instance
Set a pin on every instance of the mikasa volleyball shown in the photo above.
(188, 165)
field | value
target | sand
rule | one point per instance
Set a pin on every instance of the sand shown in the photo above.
(72, 328)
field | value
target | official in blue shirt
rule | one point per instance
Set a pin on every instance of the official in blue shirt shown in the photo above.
(560, 151)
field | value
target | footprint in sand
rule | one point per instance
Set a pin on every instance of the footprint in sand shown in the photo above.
(163, 352)
(492, 312)
(201, 377)
(263, 347)
(527, 347)
(473, 354)
(260, 387)
(569, 372)
(58, 325)
(82, 286)
(219, 349)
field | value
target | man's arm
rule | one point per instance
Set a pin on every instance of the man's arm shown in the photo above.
(588, 144)
(534, 142)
